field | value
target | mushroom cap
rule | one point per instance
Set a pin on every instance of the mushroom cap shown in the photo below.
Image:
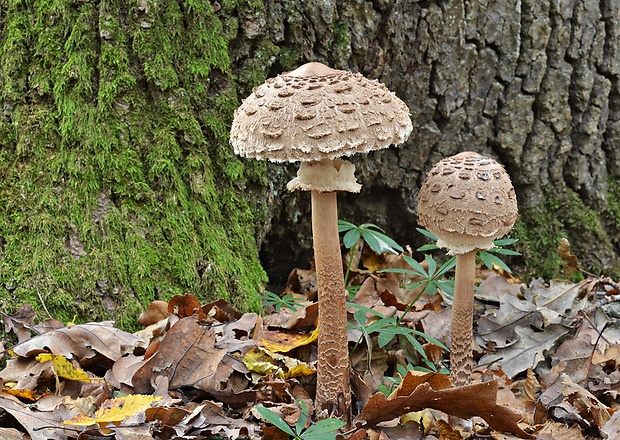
(467, 201)
(316, 112)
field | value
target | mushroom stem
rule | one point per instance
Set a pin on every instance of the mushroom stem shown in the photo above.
(333, 395)
(461, 348)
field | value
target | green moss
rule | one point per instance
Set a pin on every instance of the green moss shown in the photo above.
(119, 186)
(255, 68)
(340, 44)
(562, 215)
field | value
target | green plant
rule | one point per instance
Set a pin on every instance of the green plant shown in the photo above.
(487, 257)
(287, 301)
(370, 234)
(387, 328)
(326, 429)
(432, 277)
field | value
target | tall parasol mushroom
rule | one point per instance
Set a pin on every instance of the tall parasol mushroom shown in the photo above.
(467, 201)
(316, 115)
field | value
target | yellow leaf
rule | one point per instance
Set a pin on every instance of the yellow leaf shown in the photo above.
(275, 341)
(63, 368)
(115, 411)
(263, 362)
(22, 393)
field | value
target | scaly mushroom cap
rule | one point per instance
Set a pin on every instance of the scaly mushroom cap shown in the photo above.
(467, 201)
(315, 113)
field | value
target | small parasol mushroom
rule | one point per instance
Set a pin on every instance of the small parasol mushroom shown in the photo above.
(467, 201)
(316, 115)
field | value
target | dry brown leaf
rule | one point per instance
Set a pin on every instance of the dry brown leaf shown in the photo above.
(529, 388)
(559, 431)
(20, 322)
(97, 343)
(209, 419)
(187, 356)
(186, 305)
(155, 312)
(464, 402)
(11, 434)
(221, 311)
(26, 373)
(40, 426)
(566, 401)
(612, 427)
(168, 416)
(447, 432)
(190, 355)
(368, 296)
(304, 317)
(571, 263)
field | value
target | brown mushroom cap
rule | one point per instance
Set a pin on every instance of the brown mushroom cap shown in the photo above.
(467, 201)
(314, 113)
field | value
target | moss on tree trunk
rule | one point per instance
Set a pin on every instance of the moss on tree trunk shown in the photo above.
(118, 185)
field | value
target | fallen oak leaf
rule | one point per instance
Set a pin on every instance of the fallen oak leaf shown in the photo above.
(464, 402)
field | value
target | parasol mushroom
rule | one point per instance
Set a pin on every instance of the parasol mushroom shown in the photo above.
(316, 115)
(467, 201)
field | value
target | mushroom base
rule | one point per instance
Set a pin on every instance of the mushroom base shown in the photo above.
(326, 175)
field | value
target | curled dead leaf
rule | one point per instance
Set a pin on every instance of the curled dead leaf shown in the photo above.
(463, 402)
(186, 305)
(155, 312)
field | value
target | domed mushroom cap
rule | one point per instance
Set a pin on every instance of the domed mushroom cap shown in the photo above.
(316, 112)
(467, 201)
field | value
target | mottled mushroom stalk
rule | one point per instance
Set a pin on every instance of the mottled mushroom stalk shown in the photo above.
(316, 115)
(467, 201)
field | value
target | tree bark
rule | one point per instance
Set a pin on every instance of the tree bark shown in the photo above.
(534, 84)
(118, 184)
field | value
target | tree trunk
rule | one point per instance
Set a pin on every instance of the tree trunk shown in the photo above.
(118, 184)
(534, 84)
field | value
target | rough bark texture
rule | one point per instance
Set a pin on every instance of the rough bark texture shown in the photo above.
(333, 393)
(532, 83)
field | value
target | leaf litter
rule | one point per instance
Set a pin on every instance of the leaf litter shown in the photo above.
(548, 365)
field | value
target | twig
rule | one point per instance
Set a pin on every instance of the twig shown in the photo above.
(43, 303)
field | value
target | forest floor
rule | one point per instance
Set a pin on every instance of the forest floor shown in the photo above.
(547, 364)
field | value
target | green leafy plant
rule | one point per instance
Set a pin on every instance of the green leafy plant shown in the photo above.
(487, 257)
(432, 277)
(287, 301)
(326, 429)
(387, 328)
(370, 234)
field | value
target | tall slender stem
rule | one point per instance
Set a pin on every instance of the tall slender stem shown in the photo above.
(462, 347)
(333, 394)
